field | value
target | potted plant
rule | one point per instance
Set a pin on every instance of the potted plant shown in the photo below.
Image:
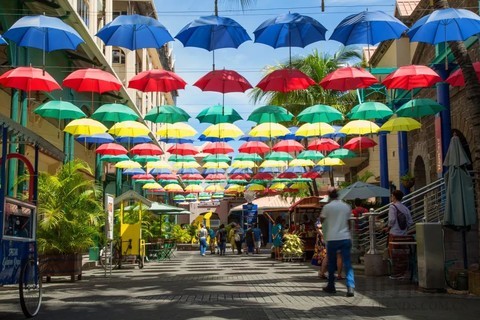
(408, 180)
(292, 248)
(69, 212)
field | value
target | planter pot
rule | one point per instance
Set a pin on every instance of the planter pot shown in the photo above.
(61, 265)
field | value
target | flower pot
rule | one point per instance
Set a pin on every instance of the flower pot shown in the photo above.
(61, 265)
(408, 183)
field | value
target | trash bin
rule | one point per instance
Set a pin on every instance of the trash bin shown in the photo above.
(93, 254)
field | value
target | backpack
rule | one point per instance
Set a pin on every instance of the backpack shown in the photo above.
(401, 219)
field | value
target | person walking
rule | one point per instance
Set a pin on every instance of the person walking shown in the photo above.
(238, 237)
(222, 239)
(231, 236)
(277, 236)
(250, 240)
(257, 235)
(202, 235)
(335, 219)
(211, 239)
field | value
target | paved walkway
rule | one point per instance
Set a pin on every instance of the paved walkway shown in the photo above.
(233, 287)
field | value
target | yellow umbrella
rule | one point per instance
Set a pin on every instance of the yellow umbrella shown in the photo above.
(194, 188)
(330, 162)
(301, 163)
(129, 129)
(87, 127)
(269, 130)
(216, 165)
(152, 186)
(255, 187)
(278, 186)
(173, 187)
(223, 130)
(242, 164)
(273, 164)
(235, 188)
(128, 164)
(176, 130)
(214, 188)
(299, 185)
(314, 129)
(400, 124)
(360, 127)
(157, 165)
(186, 165)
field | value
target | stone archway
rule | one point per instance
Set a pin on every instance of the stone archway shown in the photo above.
(419, 172)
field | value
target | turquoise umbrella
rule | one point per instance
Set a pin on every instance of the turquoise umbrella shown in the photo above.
(248, 157)
(114, 159)
(217, 158)
(167, 114)
(218, 114)
(114, 112)
(342, 154)
(270, 114)
(311, 155)
(279, 155)
(417, 108)
(320, 113)
(59, 110)
(370, 110)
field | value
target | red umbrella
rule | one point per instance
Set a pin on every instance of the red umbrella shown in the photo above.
(217, 148)
(166, 176)
(323, 144)
(223, 81)
(348, 78)
(311, 175)
(456, 78)
(192, 176)
(254, 147)
(156, 81)
(411, 77)
(92, 80)
(215, 176)
(29, 79)
(263, 176)
(240, 176)
(288, 146)
(285, 80)
(359, 143)
(112, 149)
(287, 175)
(146, 149)
(184, 149)
(145, 176)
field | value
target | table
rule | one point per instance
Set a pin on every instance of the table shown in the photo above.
(412, 257)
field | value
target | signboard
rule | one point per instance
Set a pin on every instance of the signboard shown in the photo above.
(110, 212)
(250, 212)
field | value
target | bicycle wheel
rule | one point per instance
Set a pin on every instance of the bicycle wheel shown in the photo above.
(30, 287)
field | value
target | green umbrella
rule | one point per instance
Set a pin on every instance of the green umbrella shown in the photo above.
(214, 181)
(279, 155)
(180, 158)
(165, 182)
(143, 181)
(110, 158)
(302, 180)
(114, 112)
(218, 114)
(59, 110)
(237, 181)
(248, 157)
(204, 196)
(281, 180)
(370, 110)
(311, 155)
(191, 197)
(179, 197)
(419, 108)
(320, 113)
(216, 158)
(218, 195)
(144, 159)
(192, 181)
(270, 114)
(342, 154)
(167, 114)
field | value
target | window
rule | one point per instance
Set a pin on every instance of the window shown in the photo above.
(118, 56)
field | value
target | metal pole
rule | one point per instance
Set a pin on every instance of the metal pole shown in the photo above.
(371, 230)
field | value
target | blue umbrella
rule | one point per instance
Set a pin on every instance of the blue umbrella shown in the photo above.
(96, 138)
(134, 32)
(45, 33)
(2, 41)
(296, 169)
(445, 25)
(156, 171)
(187, 171)
(213, 32)
(175, 140)
(133, 140)
(248, 138)
(290, 30)
(133, 171)
(269, 170)
(335, 135)
(212, 171)
(291, 135)
(213, 139)
(239, 170)
(368, 27)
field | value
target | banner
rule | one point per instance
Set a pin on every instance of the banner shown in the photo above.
(110, 212)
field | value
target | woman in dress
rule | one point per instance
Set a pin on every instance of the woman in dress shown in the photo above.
(277, 235)
(320, 252)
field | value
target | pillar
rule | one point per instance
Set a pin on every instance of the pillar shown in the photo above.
(403, 157)
(443, 98)
(384, 178)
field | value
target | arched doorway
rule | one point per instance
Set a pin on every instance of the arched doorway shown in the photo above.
(419, 173)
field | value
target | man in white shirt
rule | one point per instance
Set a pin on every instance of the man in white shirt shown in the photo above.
(336, 216)
(202, 235)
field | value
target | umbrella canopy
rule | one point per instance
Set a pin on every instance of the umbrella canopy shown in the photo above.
(411, 77)
(285, 80)
(85, 127)
(133, 140)
(331, 162)
(314, 129)
(156, 80)
(270, 114)
(295, 169)
(216, 165)
(456, 79)
(216, 176)
(279, 155)
(146, 149)
(112, 149)
(248, 157)
(212, 171)
(342, 154)
(29, 79)
(175, 140)
(92, 80)
(359, 143)
(190, 197)
(176, 130)
(114, 112)
(323, 144)
(273, 164)
(213, 32)
(129, 128)
(44, 33)
(445, 25)
(167, 114)
(288, 146)
(159, 170)
(167, 176)
(183, 149)
(400, 124)
(127, 164)
(419, 108)
(247, 138)
(217, 147)
(242, 164)
(370, 110)
(290, 30)
(133, 172)
(223, 81)
(218, 114)
(311, 155)
(254, 147)
(214, 188)
(134, 32)
(269, 130)
(348, 78)
(213, 139)
(223, 130)
(186, 165)
(99, 138)
(145, 158)
(301, 163)
(287, 175)
(368, 27)
(59, 110)
(255, 187)
(178, 198)
(319, 113)
(362, 190)
(152, 186)
(359, 127)
(172, 187)
(216, 158)
(114, 159)
(204, 196)
(158, 165)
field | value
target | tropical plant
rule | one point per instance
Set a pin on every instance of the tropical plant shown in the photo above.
(69, 209)
(292, 245)
(294, 195)
(181, 234)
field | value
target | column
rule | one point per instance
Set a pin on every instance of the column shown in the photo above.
(443, 98)
(384, 179)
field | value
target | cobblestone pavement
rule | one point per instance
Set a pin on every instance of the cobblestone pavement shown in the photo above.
(190, 286)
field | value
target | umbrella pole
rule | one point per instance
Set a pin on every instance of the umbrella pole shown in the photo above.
(213, 62)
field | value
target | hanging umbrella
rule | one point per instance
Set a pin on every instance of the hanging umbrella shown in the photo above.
(311, 175)
(204, 196)
(129, 128)
(270, 114)
(180, 158)
(359, 143)
(330, 162)
(218, 195)
(248, 157)
(158, 165)
(287, 175)
(145, 159)
(213, 139)
(114, 159)
(2, 41)
(216, 177)
(216, 158)
(342, 154)
(178, 197)
(134, 171)
(186, 165)
(134, 32)
(175, 140)
(279, 155)
(254, 147)
(362, 190)
(319, 113)
(278, 186)
(288, 146)
(166, 114)
(218, 147)
(418, 108)
(273, 164)
(347, 78)
(29, 79)
(285, 80)
(255, 187)
(85, 127)
(142, 176)
(371, 110)
(223, 81)
(411, 77)
(176, 130)
(311, 155)
(146, 149)
(295, 169)
(99, 138)
(248, 138)
(400, 124)
(271, 170)
(242, 164)
(216, 165)
(112, 149)
(291, 135)
(133, 140)
(44, 33)
(152, 186)
(167, 176)
(59, 110)
(191, 197)
(301, 163)
(158, 170)
(323, 144)
(335, 135)
(268, 129)
(127, 164)
(114, 112)
(92, 80)
(314, 129)
(218, 114)
(223, 130)
(156, 80)
(456, 79)
(360, 127)
(214, 188)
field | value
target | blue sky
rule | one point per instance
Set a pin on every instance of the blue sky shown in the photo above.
(250, 58)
